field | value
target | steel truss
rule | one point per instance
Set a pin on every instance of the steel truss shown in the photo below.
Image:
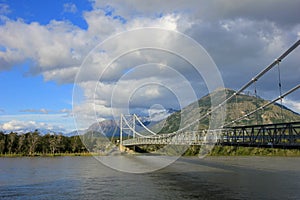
(281, 135)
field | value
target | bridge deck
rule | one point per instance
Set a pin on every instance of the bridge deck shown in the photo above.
(281, 135)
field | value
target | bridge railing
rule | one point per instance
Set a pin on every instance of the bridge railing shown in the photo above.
(181, 138)
(281, 134)
(276, 135)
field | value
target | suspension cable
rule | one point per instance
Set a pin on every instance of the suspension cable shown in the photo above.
(133, 131)
(254, 79)
(280, 90)
(256, 101)
(141, 123)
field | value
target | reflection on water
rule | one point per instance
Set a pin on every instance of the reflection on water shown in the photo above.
(187, 178)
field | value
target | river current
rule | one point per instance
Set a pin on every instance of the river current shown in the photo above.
(187, 178)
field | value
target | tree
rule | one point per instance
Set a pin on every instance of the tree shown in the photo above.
(74, 143)
(33, 140)
(2, 142)
(12, 142)
(60, 144)
(44, 145)
(22, 147)
(53, 144)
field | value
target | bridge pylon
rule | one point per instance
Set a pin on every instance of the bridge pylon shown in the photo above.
(127, 126)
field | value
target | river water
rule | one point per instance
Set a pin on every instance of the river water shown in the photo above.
(187, 178)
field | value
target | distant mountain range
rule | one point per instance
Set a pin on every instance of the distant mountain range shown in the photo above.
(41, 131)
(111, 128)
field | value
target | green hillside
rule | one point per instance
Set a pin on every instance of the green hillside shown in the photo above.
(235, 108)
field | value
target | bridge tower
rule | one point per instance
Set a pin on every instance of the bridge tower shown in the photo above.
(127, 126)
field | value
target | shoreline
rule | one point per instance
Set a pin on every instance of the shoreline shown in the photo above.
(49, 155)
(218, 151)
(253, 151)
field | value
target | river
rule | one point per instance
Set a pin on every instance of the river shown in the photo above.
(187, 178)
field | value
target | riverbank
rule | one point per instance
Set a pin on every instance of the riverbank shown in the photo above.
(219, 150)
(252, 151)
(50, 154)
(192, 151)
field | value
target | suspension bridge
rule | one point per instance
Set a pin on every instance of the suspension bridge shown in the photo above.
(279, 135)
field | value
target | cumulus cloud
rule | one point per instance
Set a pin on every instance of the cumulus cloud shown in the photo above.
(285, 13)
(25, 126)
(58, 122)
(70, 8)
(65, 110)
(294, 105)
(44, 45)
(242, 37)
(42, 110)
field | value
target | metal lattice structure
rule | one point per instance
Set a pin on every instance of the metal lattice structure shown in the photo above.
(183, 138)
(282, 135)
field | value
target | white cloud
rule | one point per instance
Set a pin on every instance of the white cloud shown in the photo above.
(25, 126)
(42, 110)
(294, 105)
(45, 111)
(242, 38)
(44, 45)
(65, 110)
(70, 7)
(58, 48)
(54, 122)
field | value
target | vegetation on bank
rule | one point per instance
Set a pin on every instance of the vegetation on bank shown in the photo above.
(13, 155)
(34, 144)
(219, 150)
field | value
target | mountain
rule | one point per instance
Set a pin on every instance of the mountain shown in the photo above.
(107, 128)
(167, 121)
(27, 130)
(74, 133)
(237, 107)
(111, 128)
(156, 116)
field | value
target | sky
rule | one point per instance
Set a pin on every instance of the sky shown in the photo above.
(54, 56)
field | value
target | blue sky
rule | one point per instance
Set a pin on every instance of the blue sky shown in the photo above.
(19, 96)
(43, 45)
(28, 97)
(45, 11)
